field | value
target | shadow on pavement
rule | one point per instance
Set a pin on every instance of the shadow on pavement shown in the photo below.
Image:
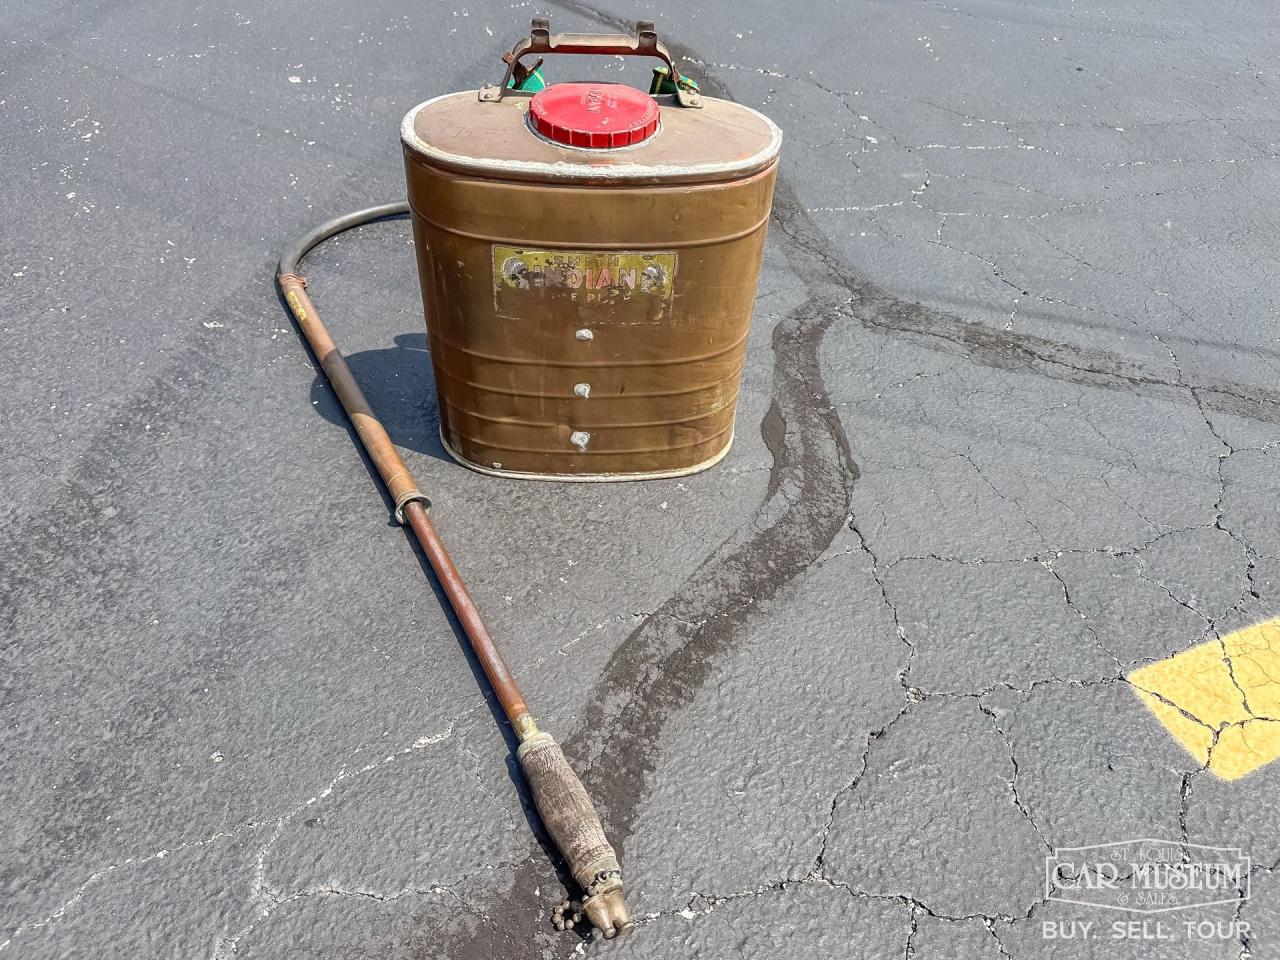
(400, 387)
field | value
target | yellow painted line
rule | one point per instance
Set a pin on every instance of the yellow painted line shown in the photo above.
(1194, 695)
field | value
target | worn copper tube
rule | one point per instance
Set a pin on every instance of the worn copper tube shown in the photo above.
(409, 500)
(373, 436)
(562, 801)
(487, 652)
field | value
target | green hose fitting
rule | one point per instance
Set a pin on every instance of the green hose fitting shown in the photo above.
(531, 80)
(662, 82)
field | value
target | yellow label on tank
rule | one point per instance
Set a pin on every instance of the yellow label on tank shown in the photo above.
(522, 276)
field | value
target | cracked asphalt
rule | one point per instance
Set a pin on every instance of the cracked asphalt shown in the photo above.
(1008, 433)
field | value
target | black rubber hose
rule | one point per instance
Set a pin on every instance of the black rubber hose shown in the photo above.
(385, 211)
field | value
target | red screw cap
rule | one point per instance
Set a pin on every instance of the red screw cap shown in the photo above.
(597, 115)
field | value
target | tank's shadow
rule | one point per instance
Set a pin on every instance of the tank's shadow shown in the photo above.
(399, 385)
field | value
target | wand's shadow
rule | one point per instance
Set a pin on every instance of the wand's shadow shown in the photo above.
(400, 388)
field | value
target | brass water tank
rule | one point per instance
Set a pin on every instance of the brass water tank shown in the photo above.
(588, 257)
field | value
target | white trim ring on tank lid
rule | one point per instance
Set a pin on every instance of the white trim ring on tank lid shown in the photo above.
(564, 170)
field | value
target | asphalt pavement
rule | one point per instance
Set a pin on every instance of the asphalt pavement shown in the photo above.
(988, 576)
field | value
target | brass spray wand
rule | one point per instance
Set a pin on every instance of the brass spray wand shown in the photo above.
(561, 799)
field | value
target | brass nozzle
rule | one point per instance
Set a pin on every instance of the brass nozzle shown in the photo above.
(609, 913)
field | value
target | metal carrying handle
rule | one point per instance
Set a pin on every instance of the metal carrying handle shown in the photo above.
(644, 44)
